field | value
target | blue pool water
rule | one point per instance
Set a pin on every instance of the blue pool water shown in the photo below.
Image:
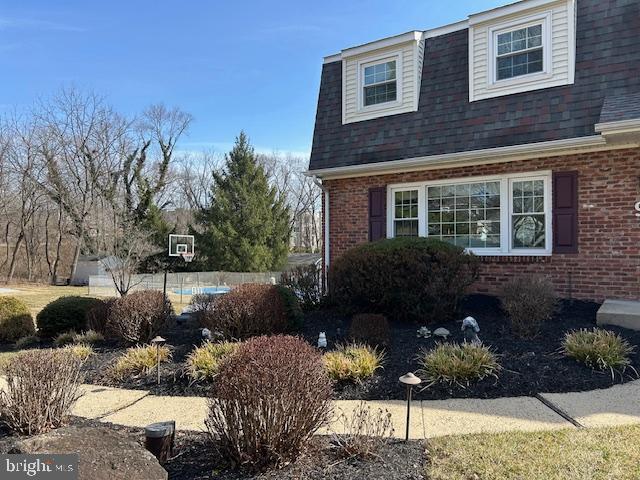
(207, 290)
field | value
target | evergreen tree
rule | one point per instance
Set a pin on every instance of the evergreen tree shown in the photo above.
(246, 229)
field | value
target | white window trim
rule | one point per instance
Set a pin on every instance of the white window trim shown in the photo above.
(506, 207)
(545, 19)
(369, 61)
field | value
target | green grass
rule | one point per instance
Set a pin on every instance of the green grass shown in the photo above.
(589, 454)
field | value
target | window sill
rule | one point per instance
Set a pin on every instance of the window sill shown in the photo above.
(538, 258)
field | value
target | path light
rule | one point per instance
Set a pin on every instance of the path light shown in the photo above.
(157, 342)
(410, 380)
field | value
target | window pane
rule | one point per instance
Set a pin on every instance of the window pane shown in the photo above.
(461, 220)
(405, 228)
(528, 231)
(376, 94)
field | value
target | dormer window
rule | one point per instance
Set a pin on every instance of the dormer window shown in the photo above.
(519, 52)
(380, 84)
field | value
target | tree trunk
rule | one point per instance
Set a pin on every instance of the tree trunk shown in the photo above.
(12, 266)
(76, 256)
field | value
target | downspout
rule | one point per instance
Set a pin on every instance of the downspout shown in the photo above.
(326, 243)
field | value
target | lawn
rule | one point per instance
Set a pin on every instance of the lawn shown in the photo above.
(594, 454)
(36, 296)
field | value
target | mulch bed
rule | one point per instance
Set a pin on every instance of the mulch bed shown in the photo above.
(195, 458)
(529, 366)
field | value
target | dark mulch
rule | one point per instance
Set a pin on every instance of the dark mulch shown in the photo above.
(195, 458)
(530, 366)
(198, 460)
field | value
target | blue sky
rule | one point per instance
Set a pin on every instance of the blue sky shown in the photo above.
(251, 65)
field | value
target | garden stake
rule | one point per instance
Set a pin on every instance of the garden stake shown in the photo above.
(410, 380)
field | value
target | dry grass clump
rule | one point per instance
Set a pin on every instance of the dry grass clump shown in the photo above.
(72, 338)
(203, 363)
(82, 351)
(26, 342)
(364, 432)
(458, 364)
(353, 362)
(529, 302)
(138, 361)
(270, 397)
(42, 386)
(599, 349)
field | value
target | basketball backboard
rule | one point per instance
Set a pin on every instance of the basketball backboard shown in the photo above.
(181, 245)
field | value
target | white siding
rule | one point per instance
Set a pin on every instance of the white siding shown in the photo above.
(559, 70)
(409, 70)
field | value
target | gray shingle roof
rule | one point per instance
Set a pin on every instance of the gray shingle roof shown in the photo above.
(607, 65)
(621, 107)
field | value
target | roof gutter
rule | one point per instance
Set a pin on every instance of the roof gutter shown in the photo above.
(619, 127)
(472, 157)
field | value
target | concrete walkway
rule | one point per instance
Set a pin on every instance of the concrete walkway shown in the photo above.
(617, 405)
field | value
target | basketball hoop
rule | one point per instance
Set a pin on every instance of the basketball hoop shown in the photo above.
(187, 257)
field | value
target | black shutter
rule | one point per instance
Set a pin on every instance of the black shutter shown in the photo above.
(377, 213)
(565, 212)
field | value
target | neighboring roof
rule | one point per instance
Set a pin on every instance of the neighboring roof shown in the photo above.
(296, 259)
(620, 107)
(607, 66)
(92, 258)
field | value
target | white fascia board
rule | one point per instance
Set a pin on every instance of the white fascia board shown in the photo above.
(506, 10)
(618, 127)
(446, 29)
(472, 157)
(412, 36)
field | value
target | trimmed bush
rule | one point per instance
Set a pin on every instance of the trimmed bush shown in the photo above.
(42, 386)
(354, 362)
(304, 281)
(270, 398)
(420, 279)
(139, 361)
(98, 316)
(529, 302)
(201, 304)
(138, 316)
(459, 364)
(15, 319)
(371, 329)
(598, 349)
(203, 363)
(252, 309)
(65, 314)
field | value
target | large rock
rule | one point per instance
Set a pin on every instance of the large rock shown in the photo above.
(105, 454)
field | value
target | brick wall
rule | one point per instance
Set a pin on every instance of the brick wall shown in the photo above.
(608, 262)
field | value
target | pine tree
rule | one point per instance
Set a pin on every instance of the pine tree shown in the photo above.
(246, 229)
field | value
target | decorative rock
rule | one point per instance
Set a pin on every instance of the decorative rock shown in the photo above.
(470, 322)
(322, 340)
(206, 334)
(423, 332)
(105, 454)
(441, 332)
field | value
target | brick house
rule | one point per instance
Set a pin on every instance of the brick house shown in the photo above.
(514, 133)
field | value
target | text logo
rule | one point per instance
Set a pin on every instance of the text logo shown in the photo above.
(40, 466)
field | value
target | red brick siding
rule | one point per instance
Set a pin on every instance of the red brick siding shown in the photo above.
(608, 262)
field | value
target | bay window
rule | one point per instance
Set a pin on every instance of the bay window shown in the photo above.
(490, 215)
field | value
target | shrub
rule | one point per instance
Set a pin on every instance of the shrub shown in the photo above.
(81, 351)
(598, 349)
(139, 361)
(420, 279)
(28, 341)
(201, 304)
(89, 337)
(138, 316)
(203, 363)
(294, 314)
(529, 302)
(370, 328)
(98, 316)
(15, 319)
(41, 388)
(270, 397)
(64, 339)
(304, 281)
(252, 309)
(354, 362)
(459, 364)
(364, 431)
(65, 314)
